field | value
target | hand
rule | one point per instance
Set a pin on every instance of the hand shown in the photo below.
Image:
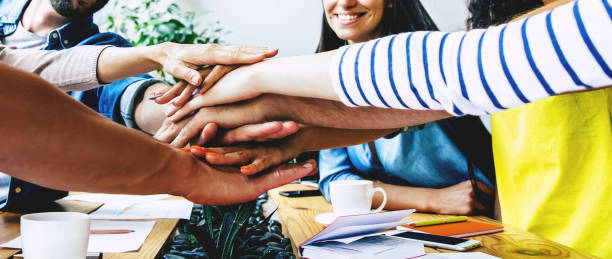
(182, 60)
(238, 85)
(228, 116)
(227, 186)
(209, 134)
(458, 199)
(182, 91)
(252, 158)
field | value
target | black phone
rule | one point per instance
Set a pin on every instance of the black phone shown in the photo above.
(305, 193)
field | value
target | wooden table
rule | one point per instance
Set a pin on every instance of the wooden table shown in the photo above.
(297, 216)
(9, 229)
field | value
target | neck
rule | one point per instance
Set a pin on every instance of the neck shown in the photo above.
(40, 17)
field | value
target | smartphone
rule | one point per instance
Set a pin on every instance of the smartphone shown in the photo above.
(452, 243)
(305, 193)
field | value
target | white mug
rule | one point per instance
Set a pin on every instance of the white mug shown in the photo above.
(55, 235)
(352, 197)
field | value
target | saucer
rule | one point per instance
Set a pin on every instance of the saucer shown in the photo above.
(326, 218)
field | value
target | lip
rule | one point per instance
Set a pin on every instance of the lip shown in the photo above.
(345, 20)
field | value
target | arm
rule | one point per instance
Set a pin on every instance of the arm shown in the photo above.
(93, 65)
(475, 72)
(257, 157)
(315, 112)
(80, 151)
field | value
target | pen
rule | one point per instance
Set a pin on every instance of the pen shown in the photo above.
(110, 231)
(439, 221)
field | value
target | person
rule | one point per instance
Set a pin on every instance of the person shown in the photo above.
(63, 24)
(424, 162)
(571, 55)
(80, 151)
(554, 157)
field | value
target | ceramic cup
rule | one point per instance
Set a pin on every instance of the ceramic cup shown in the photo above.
(351, 197)
(55, 235)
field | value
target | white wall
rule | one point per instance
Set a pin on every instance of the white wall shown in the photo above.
(293, 26)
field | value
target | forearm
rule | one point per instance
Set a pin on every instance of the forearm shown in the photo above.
(403, 197)
(77, 148)
(326, 113)
(117, 63)
(317, 138)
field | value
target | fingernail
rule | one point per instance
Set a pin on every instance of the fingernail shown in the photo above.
(211, 154)
(307, 165)
(244, 168)
(197, 148)
(197, 90)
(194, 79)
(186, 149)
(153, 97)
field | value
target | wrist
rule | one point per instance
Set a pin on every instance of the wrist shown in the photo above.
(179, 171)
(156, 55)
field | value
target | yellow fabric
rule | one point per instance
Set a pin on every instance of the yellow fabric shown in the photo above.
(553, 161)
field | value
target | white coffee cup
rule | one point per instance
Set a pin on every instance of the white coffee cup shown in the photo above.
(55, 235)
(352, 197)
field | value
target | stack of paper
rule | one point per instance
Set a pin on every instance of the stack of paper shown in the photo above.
(358, 236)
(117, 206)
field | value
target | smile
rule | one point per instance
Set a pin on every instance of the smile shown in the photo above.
(348, 18)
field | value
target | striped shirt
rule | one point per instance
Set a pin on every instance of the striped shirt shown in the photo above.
(481, 71)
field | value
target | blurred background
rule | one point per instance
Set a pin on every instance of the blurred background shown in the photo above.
(293, 26)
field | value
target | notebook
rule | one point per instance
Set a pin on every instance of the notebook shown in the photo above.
(458, 229)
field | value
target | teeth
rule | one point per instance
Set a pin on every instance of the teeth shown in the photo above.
(347, 17)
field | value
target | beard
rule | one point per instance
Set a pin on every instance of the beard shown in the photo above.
(67, 9)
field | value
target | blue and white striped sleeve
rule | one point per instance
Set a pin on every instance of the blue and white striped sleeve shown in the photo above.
(481, 71)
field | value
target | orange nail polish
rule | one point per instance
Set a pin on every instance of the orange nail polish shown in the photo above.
(244, 168)
(211, 154)
(197, 148)
(186, 149)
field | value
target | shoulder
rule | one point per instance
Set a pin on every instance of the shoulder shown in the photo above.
(106, 38)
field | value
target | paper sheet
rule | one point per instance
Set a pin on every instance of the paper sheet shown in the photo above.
(474, 255)
(115, 198)
(110, 243)
(158, 209)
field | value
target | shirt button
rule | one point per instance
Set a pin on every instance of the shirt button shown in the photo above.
(4, 18)
(65, 42)
(17, 190)
(54, 35)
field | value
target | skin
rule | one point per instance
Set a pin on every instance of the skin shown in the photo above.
(80, 151)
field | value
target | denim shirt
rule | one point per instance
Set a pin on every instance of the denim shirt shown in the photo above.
(425, 157)
(105, 100)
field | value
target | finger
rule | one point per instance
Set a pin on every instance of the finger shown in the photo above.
(217, 73)
(173, 92)
(166, 133)
(192, 128)
(215, 54)
(282, 175)
(288, 128)
(185, 95)
(263, 162)
(178, 114)
(208, 133)
(184, 72)
(250, 132)
(230, 156)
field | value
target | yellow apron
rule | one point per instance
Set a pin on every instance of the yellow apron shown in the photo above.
(553, 161)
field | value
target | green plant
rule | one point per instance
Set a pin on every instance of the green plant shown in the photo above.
(150, 22)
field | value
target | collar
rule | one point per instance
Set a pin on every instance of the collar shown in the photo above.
(11, 10)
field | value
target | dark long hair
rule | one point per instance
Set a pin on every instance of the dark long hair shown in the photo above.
(403, 16)
(491, 12)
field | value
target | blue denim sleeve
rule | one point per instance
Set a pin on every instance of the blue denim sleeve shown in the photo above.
(334, 165)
